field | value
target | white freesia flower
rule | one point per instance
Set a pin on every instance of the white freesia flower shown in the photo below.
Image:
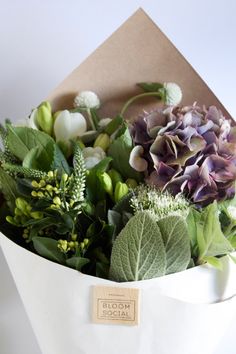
(104, 122)
(29, 122)
(232, 212)
(87, 99)
(69, 125)
(173, 93)
(92, 156)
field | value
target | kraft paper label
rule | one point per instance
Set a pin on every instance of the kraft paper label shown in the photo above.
(114, 305)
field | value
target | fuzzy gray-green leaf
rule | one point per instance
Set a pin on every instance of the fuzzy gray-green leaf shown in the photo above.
(177, 243)
(138, 252)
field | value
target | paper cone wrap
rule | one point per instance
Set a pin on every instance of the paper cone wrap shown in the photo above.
(182, 313)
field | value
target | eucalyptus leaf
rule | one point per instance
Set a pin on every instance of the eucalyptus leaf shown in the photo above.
(47, 247)
(177, 243)
(138, 252)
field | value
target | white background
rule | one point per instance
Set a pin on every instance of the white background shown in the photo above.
(41, 42)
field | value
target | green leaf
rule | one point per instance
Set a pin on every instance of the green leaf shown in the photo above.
(138, 252)
(120, 150)
(192, 219)
(47, 247)
(150, 86)
(216, 242)
(39, 158)
(77, 262)
(8, 188)
(114, 125)
(95, 192)
(59, 161)
(177, 243)
(22, 139)
(215, 262)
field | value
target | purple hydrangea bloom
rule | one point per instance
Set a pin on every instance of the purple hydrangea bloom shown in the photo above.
(188, 149)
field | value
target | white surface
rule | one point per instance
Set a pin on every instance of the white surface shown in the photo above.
(182, 310)
(41, 42)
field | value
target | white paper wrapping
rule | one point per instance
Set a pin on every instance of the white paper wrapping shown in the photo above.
(177, 311)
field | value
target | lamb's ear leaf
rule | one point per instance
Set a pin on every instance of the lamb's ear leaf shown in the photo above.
(177, 243)
(138, 252)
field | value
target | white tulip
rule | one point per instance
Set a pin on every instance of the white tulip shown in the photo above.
(69, 125)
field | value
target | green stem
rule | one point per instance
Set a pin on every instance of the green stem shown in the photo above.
(141, 95)
(90, 117)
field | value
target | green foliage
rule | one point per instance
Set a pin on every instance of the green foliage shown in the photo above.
(21, 140)
(177, 245)
(146, 248)
(77, 262)
(48, 248)
(150, 86)
(207, 238)
(17, 170)
(120, 150)
(8, 188)
(138, 252)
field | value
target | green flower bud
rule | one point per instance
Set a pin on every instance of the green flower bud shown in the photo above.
(40, 194)
(115, 176)
(63, 245)
(44, 118)
(82, 245)
(34, 194)
(17, 211)
(21, 204)
(121, 190)
(35, 184)
(103, 141)
(86, 241)
(64, 177)
(106, 183)
(71, 244)
(42, 183)
(74, 237)
(11, 220)
(36, 214)
(49, 187)
(131, 183)
(50, 174)
(57, 200)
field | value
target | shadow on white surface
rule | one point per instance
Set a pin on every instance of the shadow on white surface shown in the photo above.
(16, 334)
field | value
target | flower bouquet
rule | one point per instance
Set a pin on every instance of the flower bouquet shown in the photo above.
(128, 196)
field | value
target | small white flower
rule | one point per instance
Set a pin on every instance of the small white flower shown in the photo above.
(173, 93)
(232, 212)
(103, 122)
(92, 156)
(136, 161)
(87, 99)
(69, 125)
(30, 122)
